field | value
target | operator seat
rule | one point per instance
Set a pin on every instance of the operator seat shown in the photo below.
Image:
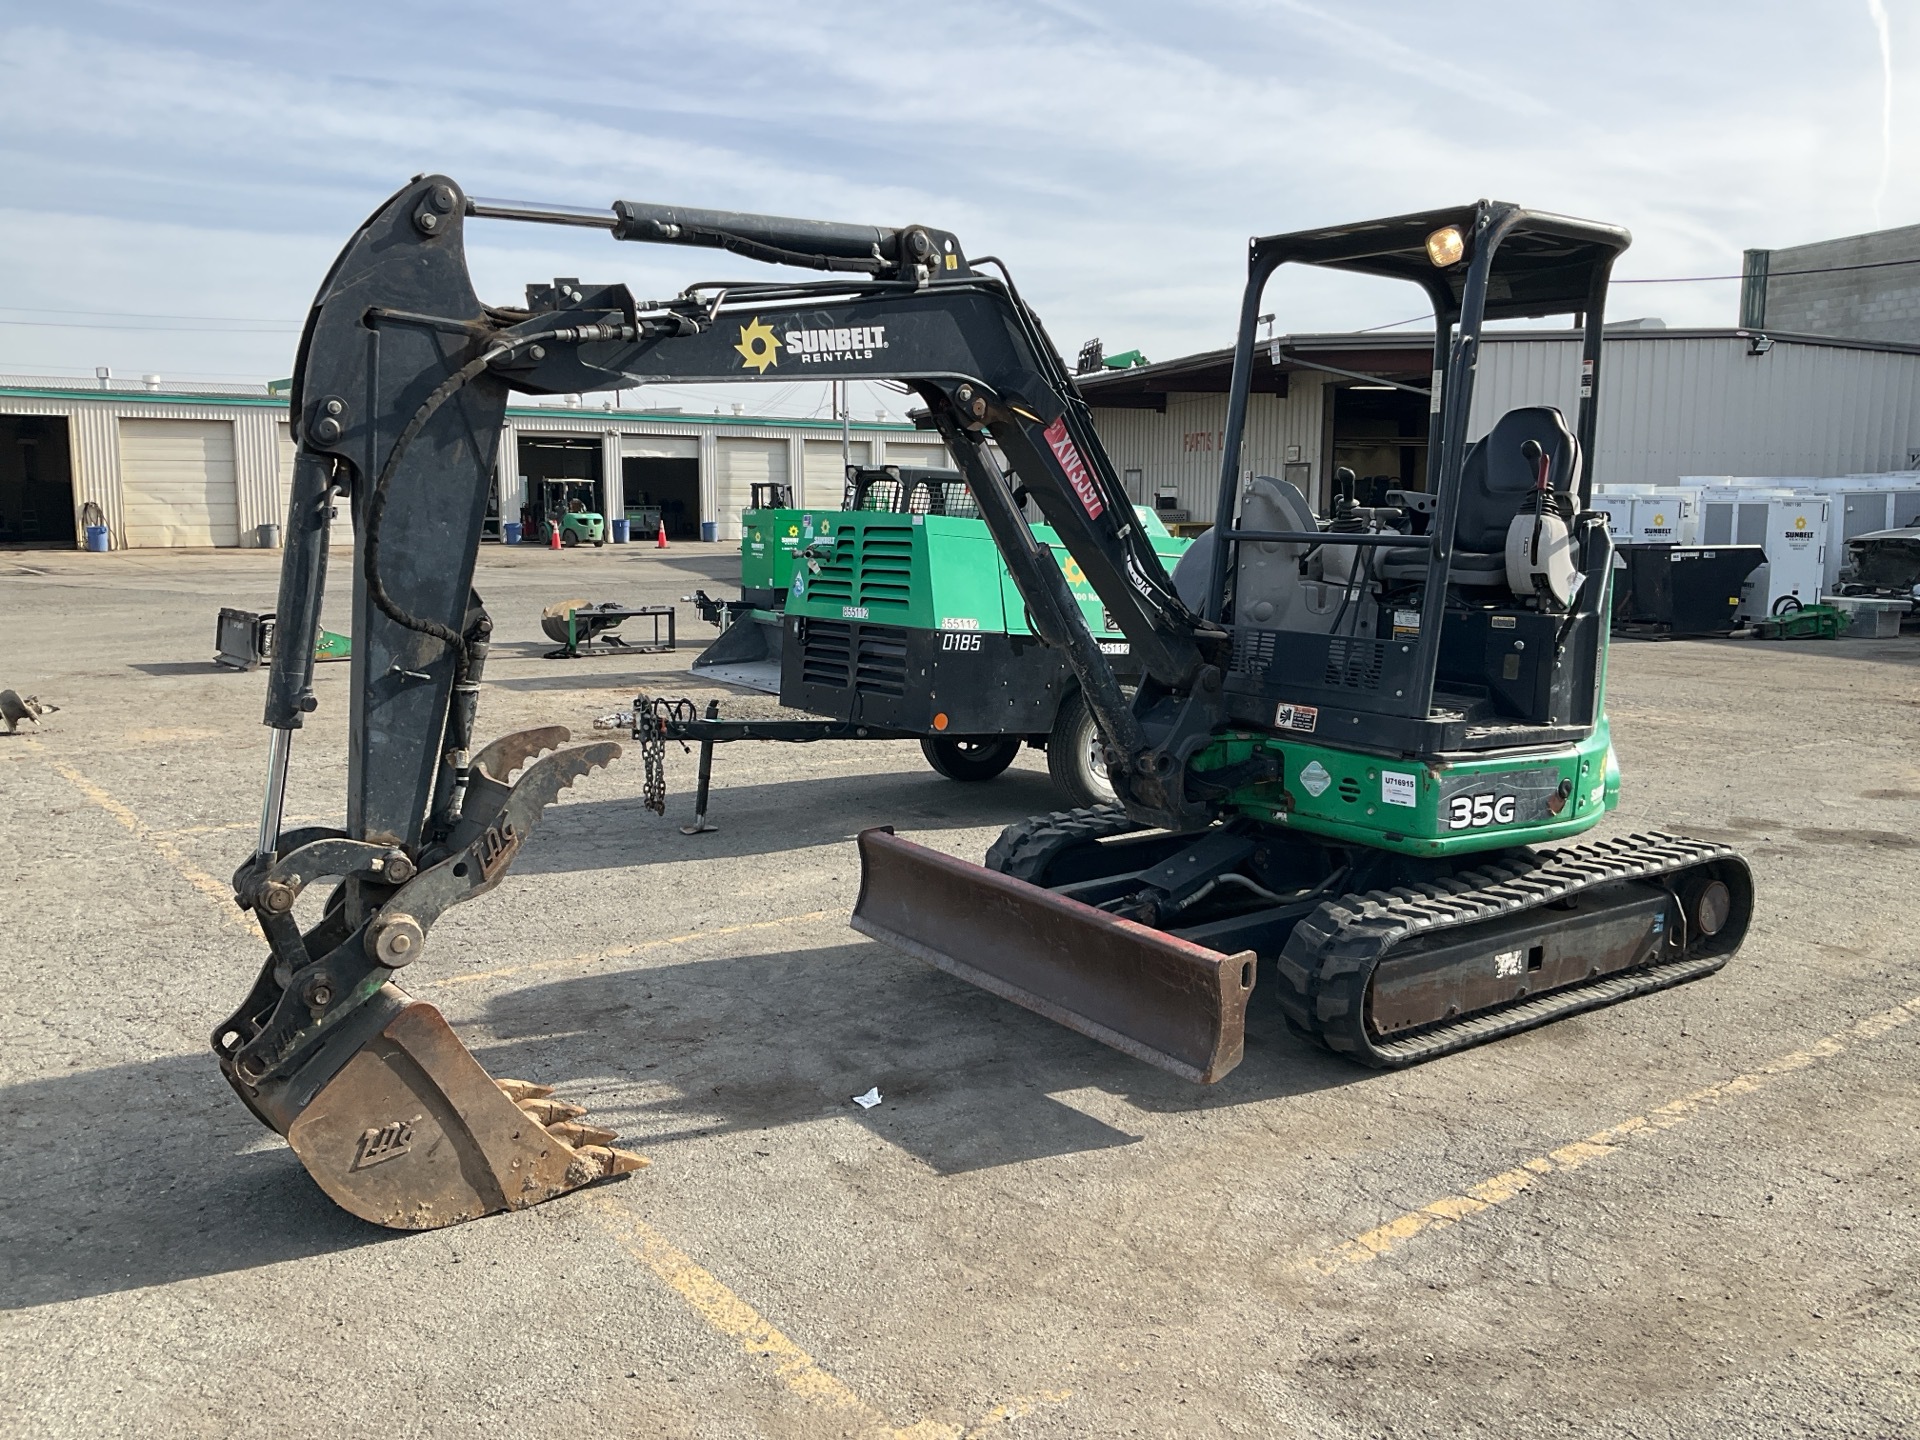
(1495, 478)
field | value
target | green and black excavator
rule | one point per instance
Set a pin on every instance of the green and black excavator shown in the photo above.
(1349, 736)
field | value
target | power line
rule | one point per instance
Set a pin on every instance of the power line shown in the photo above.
(143, 329)
(140, 315)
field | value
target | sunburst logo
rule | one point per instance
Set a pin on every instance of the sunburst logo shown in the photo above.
(1075, 575)
(759, 347)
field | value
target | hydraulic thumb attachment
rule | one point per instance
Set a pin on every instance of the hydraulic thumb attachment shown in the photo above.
(388, 1111)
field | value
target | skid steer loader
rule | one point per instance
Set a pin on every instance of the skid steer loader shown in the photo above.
(1347, 739)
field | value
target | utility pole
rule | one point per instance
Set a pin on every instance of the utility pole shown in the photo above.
(846, 426)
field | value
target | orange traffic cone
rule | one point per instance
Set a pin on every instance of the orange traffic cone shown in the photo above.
(553, 537)
(660, 541)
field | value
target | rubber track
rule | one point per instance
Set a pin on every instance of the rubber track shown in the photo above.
(1027, 847)
(1330, 958)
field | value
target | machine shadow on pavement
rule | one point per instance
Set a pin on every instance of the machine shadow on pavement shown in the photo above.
(775, 818)
(146, 1174)
(969, 1081)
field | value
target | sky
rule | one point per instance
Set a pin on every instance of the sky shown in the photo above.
(176, 178)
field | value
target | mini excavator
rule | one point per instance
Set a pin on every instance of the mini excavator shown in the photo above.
(1349, 737)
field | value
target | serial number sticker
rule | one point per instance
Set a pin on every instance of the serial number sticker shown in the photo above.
(1509, 963)
(1115, 647)
(1504, 622)
(853, 612)
(1304, 718)
(959, 622)
(1399, 788)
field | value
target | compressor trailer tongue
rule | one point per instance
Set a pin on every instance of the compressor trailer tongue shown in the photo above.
(1347, 737)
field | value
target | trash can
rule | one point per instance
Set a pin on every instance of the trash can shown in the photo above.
(620, 531)
(97, 538)
(709, 531)
(510, 532)
(269, 537)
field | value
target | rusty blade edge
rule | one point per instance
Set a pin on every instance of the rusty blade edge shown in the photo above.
(1229, 1043)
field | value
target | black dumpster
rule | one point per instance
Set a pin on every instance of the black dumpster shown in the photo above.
(1681, 589)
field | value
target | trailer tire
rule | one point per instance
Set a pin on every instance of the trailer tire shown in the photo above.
(966, 758)
(1074, 757)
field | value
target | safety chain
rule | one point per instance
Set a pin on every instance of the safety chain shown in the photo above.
(650, 720)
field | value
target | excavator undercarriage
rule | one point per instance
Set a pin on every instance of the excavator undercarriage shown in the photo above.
(1349, 735)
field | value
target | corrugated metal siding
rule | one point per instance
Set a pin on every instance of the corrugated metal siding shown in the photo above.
(1704, 406)
(1182, 447)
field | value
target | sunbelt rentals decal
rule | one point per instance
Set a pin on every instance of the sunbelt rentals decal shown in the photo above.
(760, 347)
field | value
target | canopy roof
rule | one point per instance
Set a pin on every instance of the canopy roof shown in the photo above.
(1544, 264)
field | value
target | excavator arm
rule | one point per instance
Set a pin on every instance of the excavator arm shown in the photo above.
(399, 396)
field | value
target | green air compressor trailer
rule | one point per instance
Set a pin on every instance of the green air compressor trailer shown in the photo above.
(894, 617)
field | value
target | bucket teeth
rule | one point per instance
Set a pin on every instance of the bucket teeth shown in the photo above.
(523, 1090)
(548, 1111)
(611, 1161)
(577, 1134)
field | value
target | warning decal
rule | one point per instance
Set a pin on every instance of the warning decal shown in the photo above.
(1064, 451)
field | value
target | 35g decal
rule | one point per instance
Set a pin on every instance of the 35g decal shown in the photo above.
(1470, 812)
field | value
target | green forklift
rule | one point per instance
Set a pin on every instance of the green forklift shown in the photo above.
(568, 505)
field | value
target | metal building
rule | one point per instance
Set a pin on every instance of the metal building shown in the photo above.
(1672, 403)
(177, 465)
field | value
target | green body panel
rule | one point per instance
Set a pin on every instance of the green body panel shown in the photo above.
(1427, 808)
(924, 572)
(589, 527)
(1423, 828)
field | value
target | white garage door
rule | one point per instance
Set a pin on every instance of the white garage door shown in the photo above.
(177, 483)
(917, 453)
(826, 479)
(744, 464)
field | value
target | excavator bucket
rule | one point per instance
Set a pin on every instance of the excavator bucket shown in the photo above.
(412, 1133)
(1160, 999)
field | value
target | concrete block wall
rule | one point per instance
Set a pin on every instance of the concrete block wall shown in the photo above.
(1881, 303)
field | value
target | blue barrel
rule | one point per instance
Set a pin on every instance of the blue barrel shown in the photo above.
(97, 538)
(709, 530)
(510, 532)
(620, 531)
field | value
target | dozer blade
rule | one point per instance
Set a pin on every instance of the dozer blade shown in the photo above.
(747, 654)
(1160, 999)
(412, 1133)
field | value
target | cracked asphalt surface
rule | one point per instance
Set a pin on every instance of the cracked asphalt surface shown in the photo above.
(1031, 1235)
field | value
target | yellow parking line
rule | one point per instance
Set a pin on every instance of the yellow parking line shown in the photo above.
(218, 890)
(771, 1348)
(621, 952)
(1497, 1190)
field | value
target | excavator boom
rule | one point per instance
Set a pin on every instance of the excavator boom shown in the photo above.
(398, 399)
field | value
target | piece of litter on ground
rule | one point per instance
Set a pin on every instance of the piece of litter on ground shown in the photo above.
(618, 720)
(868, 1100)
